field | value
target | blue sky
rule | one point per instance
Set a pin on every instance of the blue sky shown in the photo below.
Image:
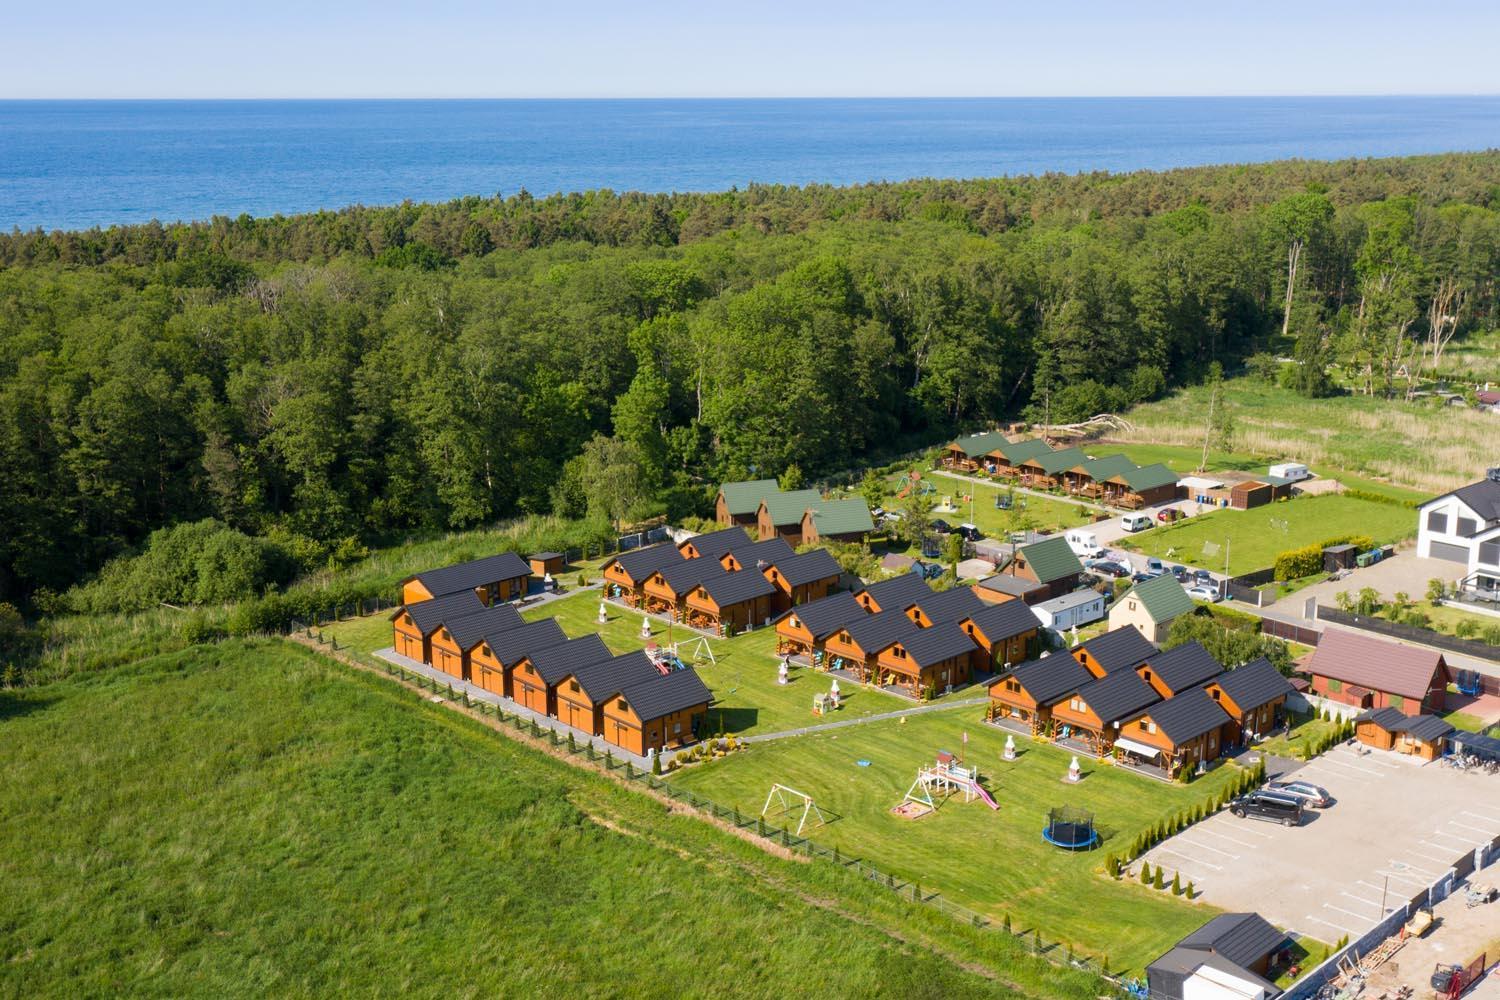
(648, 48)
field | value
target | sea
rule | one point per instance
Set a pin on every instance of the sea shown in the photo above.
(78, 164)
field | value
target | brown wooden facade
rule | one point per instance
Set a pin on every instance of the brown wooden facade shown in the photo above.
(896, 665)
(1373, 734)
(994, 652)
(857, 661)
(661, 598)
(766, 528)
(488, 672)
(787, 596)
(528, 689)
(703, 612)
(409, 640)
(1174, 756)
(446, 656)
(1244, 718)
(1085, 725)
(1009, 699)
(494, 592)
(627, 730)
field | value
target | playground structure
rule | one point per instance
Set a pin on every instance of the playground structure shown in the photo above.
(1468, 682)
(787, 801)
(669, 658)
(915, 481)
(946, 777)
(1071, 829)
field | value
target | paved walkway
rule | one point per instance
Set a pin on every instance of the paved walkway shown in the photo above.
(477, 693)
(940, 706)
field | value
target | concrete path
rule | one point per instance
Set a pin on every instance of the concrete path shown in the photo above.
(477, 693)
(941, 706)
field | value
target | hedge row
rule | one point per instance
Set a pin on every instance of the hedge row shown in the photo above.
(1245, 780)
(1382, 498)
(1293, 564)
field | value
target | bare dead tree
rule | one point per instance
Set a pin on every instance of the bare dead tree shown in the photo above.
(1443, 313)
(1293, 259)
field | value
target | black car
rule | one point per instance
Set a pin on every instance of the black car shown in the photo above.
(1181, 573)
(1203, 576)
(940, 526)
(1106, 568)
(970, 533)
(1277, 808)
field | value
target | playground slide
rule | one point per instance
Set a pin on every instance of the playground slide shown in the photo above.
(985, 796)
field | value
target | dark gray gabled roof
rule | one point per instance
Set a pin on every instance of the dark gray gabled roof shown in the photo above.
(1243, 938)
(713, 544)
(1012, 586)
(735, 588)
(809, 567)
(1122, 647)
(1002, 621)
(470, 630)
(872, 633)
(1482, 497)
(1185, 666)
(641, 563)
(1254, 684)
(1165, 975)
(770, 552)
(1118, 696)
(428, 615)
(473, 574)
(827, 615)
(930, 646)
(1426, 727)
(510, 646)
(554, 663)
(1185, 717)
(1048, 679)
(899, 592)
(663, 695)
(1386, 718)
(607, 678)
(951, 605)
(684, 576)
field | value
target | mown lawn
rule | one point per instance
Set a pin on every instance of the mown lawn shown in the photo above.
(993, 862)
(1255, 537)
(1294, 743)
(252, 819)
(1044, 514)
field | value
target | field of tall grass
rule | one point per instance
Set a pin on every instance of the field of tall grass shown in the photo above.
(262, 821)
(1417, 445)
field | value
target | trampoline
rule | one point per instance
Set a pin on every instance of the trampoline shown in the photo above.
(1071, 829)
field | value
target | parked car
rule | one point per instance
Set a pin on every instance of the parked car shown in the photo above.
(1273, 806)
(970, 533)
(1135, 522)
(1085, 544)
(940, 526)
(1308, 793)
(1181, 573)
(1203, 576)
(1200, 592)
(1168, 514)
(1154, 566)
(1139, 577)
(1104, 567)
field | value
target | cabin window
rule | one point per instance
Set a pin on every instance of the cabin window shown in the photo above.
(1146, 676)
(572, 686)
(900, 653)
(623, 706)
(1215, 692)
(446, 635)
(1131, 605)
(1467, 526)
(484, 651)
(1012, 685)
(1149, 727)
(1335, 686)
(970, 627)
(676, 728)
(794, 622)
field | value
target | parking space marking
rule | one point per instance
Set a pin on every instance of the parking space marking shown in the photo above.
(1225, 836)
(1470, 826)
(1204, 847)
(1360, 899)
(1492, 819)
(1352, 767)
(1431, 876)
(1449, 857)
(1368, 922)
(1398, 877)
(1465, 837)
(1335, 926)
(1188, 857)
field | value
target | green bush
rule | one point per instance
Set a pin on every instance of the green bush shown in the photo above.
(1372, 497)
(1293, 564)
(1145, 873)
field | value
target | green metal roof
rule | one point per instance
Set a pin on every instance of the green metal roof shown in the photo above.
(1054, 462)
(1020, 451)
(1163, 597)
(744, 498)
(1147, 477)
(842, 517)
(979, 444)
(1052, 559)
(1100, 469)
(788, 508)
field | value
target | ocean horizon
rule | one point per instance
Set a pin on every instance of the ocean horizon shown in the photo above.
(73, 164)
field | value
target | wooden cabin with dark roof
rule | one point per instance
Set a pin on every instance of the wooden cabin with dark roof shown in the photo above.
(942, 606)
(1026, 693)
(454, 642)
(896, 594)
(730, 603)
(927, 661)
(492, 665)
(413, 624)
(1180, 732)
(1086, 717)
(582, 694)
(493, 579)
(856, 646)
(756, 555)
(1179, 669)
(1045, 471)
(666, 591)
(1145, 486)
(535, 678)
(1003, 634)
(810, 576)
(657, 714)
(1119, 648)
(805, 627)
(713, 544)
(1252, 695)
(625, 574)
(1086, 477)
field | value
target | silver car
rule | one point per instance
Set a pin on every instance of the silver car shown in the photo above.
(1310, 794)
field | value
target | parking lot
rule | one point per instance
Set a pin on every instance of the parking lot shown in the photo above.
(1396, 825)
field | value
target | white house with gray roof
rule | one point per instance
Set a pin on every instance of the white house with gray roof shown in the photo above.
(1463, 527)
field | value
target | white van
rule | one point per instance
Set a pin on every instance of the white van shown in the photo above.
(1136, 522)
(1085, 544)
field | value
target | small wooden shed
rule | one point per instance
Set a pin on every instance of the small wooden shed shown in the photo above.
(1251, 493)
(543, 563)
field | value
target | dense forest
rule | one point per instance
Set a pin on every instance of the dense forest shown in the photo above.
(323, 381)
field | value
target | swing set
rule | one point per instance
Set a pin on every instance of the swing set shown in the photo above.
(788, 801)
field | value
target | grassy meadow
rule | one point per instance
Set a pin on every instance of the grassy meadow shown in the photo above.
(1418, 445)
(1255, 537)
(994, 862)
(260, 821)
